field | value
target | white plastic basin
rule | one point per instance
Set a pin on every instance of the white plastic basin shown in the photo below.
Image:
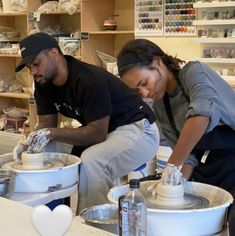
(39, 181)
(189, 222)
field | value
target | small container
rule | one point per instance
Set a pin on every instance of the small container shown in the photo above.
(103, 216)
(110, 23)
(162, 157)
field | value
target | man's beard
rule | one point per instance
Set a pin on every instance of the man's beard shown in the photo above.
(49, 78)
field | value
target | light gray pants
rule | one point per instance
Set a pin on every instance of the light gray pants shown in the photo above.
(124, 150)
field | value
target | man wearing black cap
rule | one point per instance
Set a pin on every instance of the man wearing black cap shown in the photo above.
(118, 132)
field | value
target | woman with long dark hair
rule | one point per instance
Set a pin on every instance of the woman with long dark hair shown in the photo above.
(195, 109)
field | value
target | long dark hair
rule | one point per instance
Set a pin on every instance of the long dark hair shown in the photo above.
(141, 53)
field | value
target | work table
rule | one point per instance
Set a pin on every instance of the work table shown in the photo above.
(15, 219)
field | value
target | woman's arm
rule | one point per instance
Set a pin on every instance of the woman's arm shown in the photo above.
(192, 131)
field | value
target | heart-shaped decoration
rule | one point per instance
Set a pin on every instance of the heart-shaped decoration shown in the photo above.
(55, 222)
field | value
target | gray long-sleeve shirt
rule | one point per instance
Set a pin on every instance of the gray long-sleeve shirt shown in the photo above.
(208, 95)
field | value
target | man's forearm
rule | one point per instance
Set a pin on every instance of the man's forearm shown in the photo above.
(82, 136)
(46, 121)
(93, 133)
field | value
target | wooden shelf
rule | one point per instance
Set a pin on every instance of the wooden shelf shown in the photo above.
(15, 95)
(214, 40)
(180, 34)
(112, 32)
(94, 13)
(218, 60)
(10, 55)
(59, 12)
(14, 14)
(211, 6)
(78, 57)
(89, 17)
(214, 22)
(214, 4)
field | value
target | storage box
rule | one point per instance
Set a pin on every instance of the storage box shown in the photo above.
(12, 7)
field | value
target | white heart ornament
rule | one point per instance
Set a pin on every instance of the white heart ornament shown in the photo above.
(55, 222)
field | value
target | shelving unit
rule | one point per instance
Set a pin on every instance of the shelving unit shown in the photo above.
(149, 18)
(88, 19)
(214, 4)
(214, 40)
(93, 14)
(8, 62)
(213, 22)
(218, 60)
(15, 95)
(220, 21)
(178, 18)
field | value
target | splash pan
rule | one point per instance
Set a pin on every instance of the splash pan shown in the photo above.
(60, 171)
(19, 166)
(207, 219)
(190, 202)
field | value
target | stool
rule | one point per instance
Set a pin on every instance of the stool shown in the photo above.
(51, 199)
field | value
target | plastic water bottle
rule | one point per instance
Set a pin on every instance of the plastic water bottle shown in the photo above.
(134, 212)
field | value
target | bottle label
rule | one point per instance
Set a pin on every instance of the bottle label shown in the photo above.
(120, 203)
(133, 219)
(125, 218)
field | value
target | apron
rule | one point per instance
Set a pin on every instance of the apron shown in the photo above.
(215, 152)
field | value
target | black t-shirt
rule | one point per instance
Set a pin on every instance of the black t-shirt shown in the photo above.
(91, 93)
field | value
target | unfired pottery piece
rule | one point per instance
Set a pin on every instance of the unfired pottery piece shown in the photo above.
(32, 160)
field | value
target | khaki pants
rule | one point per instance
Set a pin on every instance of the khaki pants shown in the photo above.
(124, 150)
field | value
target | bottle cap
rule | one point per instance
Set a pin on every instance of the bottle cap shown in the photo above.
(134, 183)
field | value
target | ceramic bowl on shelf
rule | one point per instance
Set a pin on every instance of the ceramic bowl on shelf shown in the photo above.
(15, 112)
(12, 34)
(110, 23)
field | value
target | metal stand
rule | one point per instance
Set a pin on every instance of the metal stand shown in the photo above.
(34, 199)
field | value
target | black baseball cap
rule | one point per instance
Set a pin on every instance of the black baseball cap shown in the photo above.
(32, 45)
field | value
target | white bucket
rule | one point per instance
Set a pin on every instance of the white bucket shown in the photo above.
(162, 157)
(193, 222)
(41, 181)
(148, 169)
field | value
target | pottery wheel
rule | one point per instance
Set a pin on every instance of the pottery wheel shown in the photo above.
(190, 202)
(13, 165)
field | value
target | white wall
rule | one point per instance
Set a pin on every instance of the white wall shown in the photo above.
(183, 47)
